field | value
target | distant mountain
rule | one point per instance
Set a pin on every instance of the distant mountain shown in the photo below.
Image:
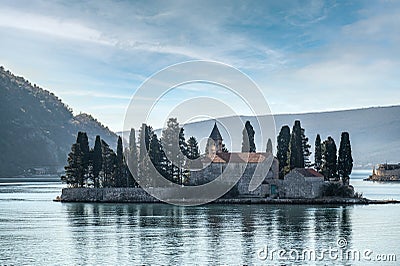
(374, 132)
(36, 128)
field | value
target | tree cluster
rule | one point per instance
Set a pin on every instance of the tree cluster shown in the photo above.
(170, 155)
(331, 163)
(96, 167)
(293, 151)
(102, 167)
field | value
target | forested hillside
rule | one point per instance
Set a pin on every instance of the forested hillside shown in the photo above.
(37, 128)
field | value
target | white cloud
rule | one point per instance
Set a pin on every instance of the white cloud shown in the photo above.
(297, 51)
(88, 93)
(51, 26)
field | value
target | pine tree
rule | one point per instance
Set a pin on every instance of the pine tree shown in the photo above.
(269, 146)
(74, 171)
(248, 144)
(345, 160)
(306, 149)
(329, 159)
(170, 144)
(192, 149)
(283, 150)
(132, 160)
(296, 158)
(318, 154)
(97, 161)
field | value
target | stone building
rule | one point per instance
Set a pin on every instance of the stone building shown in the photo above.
(302, 183)
(299, 183)
(386, 172)
(250, 165)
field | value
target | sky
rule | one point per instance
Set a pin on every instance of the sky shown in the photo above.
(305, 56)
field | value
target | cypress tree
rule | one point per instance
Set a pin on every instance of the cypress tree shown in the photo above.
(248, 144)
(318, 154)
(283, 149)
(182, 174)
(144, 140)
(345, 160)
(119, 175)
(157, 156)
(97, 161)
(144, 144)
(132, 160)
(296, 158)
(329, 159)
(306, 148)
(182, 142)
(269, 146)
(83, 141)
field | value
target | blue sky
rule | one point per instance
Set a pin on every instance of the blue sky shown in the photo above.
(305, 56)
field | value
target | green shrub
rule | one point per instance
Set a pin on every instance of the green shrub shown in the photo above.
(339, 190)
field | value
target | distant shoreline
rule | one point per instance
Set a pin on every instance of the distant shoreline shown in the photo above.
(52, 178)
(381, 180)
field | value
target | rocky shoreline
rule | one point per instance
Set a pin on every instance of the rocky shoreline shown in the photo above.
(138, 195)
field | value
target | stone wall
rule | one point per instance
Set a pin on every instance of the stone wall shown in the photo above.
(205, 175)
(296, 186)
(106, 195)
(383, 172)
(213, 170)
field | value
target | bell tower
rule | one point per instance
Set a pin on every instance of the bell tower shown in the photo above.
(215, 135)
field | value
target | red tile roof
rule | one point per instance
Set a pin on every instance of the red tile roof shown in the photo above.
(308, 172)
(238, 157)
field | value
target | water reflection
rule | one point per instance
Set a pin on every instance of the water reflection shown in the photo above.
(37, 231)
(150, 233)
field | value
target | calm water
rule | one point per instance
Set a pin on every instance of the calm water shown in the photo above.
(36, 231)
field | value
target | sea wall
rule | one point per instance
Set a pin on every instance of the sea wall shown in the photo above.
(106, 195)
(138, 195)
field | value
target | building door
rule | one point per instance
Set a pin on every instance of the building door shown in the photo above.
(273, 189)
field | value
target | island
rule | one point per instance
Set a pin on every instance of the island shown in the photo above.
(101, 175)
